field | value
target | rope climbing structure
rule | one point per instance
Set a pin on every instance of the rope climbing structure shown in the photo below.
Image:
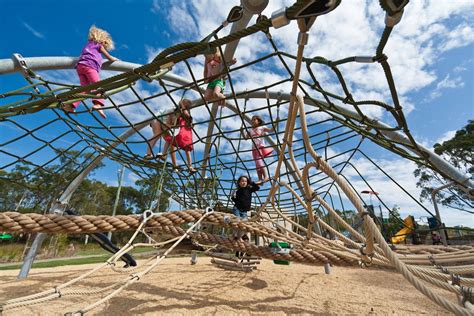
(319, 135)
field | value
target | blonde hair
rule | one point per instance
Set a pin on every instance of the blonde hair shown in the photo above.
(102, 37)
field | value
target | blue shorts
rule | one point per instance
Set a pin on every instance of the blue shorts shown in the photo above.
(240, 214)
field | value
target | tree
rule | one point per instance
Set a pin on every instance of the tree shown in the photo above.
(31, 188)
(393, 223)
(159, 184)
(458, 151)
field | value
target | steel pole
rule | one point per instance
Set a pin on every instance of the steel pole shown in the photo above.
(442, 232)
(121, 172)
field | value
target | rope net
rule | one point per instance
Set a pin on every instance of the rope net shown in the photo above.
(322, 139)
(66, 144)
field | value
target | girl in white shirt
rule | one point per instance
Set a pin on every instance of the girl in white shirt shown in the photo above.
(259, 150)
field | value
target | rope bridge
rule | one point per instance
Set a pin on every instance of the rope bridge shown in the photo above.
(319, 136)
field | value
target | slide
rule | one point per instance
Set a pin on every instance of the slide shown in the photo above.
(402, 234)
(106, 244)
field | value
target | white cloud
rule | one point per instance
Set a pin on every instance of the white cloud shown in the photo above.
(181, 21)
(155, 6)
(32, 30)
(423, 34)
(130, 179)
(446, 83)
(446, 136)
(462, 35)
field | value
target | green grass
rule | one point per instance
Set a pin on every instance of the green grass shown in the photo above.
(11, 252)
(76, 261)
(83, 256)
(96, 250)
(60, 262)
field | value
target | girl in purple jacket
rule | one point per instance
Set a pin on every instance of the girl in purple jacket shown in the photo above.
(90, 62)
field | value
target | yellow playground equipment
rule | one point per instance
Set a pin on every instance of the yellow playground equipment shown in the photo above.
(401, 235)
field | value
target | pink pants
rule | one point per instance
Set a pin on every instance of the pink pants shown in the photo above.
(259, 154)
(87, 76)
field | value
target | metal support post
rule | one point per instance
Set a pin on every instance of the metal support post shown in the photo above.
(442, 232)
(121, 172)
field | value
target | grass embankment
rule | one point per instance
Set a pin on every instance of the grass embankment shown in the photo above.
(59, 262)
(85, 256)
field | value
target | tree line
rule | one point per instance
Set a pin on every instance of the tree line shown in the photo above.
(29, 189)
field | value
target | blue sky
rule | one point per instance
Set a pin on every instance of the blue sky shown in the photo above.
(431, 53)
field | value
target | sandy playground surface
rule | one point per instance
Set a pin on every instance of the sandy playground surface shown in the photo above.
(178, 288)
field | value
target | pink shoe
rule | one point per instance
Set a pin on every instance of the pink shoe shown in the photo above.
(69, 108)
(98, 108)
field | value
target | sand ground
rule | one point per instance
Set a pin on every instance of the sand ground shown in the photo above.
(178, 288)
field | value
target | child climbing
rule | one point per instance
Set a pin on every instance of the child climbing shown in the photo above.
(90, 62)
(212, 75)
(242, 197)
(183, 140)
(259, 150)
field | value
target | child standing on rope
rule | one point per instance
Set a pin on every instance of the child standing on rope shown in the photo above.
(90, 62)
(213, 76)
(183, 140)
(259, 150)
(242, 197)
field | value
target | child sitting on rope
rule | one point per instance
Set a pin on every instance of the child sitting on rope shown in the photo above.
(242, 199)
(183, 140)
(90, 62)
(213, 76)
(259, 150)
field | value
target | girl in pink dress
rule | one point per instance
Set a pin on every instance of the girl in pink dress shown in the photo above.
(183, 140)
(259, 150)
(90, 63)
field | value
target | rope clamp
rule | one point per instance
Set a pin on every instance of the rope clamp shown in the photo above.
(455, 279)
(392, 20)
(60, 208)
(135, 276)
(111, 263)
(364, 59)
(168, 66)
(302, 38)
(279, 18)
(25, 70)
(348, 99)
(380, 58)
(56, 290)
(142, 75)
(466, 295)
(147, 215)
(311, 197)
(366, 259)
(432, 260)
(208, 211)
